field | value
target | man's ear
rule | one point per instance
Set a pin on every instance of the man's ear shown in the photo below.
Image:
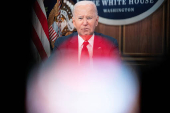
(97, 20)
(73, 20)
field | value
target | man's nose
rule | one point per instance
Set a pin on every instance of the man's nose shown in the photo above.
(85, 22)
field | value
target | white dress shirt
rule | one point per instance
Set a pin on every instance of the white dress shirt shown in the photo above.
(89, 47)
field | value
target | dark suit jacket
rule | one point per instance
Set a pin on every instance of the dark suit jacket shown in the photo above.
(104, 46)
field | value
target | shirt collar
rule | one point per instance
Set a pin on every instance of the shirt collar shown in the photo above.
(80, 40)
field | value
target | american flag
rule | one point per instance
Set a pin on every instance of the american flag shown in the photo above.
(53, 7)
(59, 17)
(40, 32)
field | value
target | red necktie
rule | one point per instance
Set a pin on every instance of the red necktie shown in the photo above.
(84, 53)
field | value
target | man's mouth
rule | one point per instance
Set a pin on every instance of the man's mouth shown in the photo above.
(85, 29)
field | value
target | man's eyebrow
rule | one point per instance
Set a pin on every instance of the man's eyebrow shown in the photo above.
(85, 16)
(79, 15)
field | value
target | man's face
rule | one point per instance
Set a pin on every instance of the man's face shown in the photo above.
(85, 19)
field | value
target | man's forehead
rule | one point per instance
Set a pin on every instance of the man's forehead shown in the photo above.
(85, 11)
(87, 15)
(85, 8)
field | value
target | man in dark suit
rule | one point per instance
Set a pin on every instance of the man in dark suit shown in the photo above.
(85, 41)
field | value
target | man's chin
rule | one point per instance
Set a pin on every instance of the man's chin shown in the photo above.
(87, 34)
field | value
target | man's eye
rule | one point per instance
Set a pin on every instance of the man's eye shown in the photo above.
(89, 18)
(80, 18)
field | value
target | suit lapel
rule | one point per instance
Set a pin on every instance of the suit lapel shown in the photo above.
(97, 48)
(72, 46)
(73, 42)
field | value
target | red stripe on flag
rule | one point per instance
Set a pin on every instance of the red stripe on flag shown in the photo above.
(42, 18)
(50, 28)
(53, 38)
(53, 33)
(38, 44)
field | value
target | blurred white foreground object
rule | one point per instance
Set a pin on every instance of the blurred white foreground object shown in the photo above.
(62, 87)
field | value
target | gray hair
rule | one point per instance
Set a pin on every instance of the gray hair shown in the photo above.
(85, 3)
